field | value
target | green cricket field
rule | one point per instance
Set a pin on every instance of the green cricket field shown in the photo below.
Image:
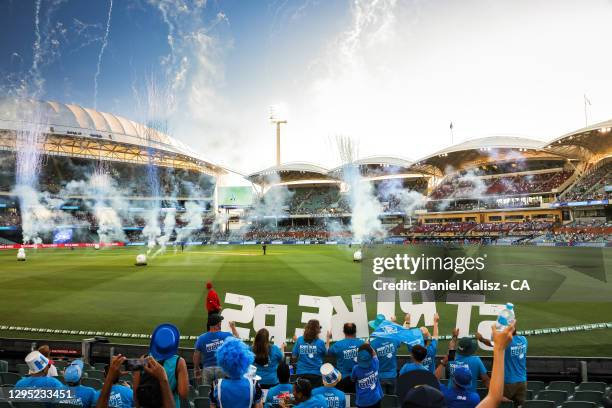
(102, 290)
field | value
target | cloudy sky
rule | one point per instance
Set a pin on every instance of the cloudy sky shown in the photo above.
(391, 74)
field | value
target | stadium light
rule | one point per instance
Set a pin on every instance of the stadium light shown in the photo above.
(276, 112)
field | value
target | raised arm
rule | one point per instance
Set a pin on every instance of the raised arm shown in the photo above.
(483, 340)
(114, 372)
(328, 340)
(496, 387)
(232, 326)
(435, 328)
(407, 320)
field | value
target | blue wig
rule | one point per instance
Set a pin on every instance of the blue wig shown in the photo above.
(234, 357)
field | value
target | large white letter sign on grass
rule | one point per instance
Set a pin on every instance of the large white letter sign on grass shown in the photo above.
(244, 315)
(359, 316)
(324, 314)
(279, 329)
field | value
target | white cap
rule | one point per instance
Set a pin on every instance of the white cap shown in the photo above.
(36, 362)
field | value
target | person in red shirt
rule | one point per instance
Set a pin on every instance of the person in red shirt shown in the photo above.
(213, 303)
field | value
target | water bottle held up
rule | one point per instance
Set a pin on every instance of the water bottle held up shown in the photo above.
(505, 317)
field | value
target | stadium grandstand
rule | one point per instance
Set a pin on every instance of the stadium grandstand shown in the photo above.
(75, 143)
(501, 189)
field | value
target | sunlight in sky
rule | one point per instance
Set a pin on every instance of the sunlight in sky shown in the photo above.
(391, 74)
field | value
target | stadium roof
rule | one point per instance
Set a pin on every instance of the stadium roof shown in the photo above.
(75, 122)
(376, 166)
(594, 140)
(481, 151)
(287, 172)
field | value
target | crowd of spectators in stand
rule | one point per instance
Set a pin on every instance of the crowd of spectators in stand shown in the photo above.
(489, 204)
(228, 372)
(592, 186)
(9, 219)
(268, 233)
(317, 201)
(462, 186)
(56, 172)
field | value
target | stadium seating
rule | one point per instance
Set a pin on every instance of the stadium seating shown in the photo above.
(9, 378)
(201, 402)
(592, 386)
(3, 366)
(390, 401)
(578, 404)
(468, 185)
(539, 404)
(591, 185)
(556, 396)
(589, 396)
(567, 386)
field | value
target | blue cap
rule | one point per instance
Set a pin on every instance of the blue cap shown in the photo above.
(164, 341)
(376, 322)
(73, 372)
(462, 377)
(364, 359)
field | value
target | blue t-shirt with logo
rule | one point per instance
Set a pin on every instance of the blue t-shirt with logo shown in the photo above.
(267, 372)
(367, 384)
(335, 398)
(315, 401)
(474, 363)
(208, 343)
(39, 382)
(272, 400)
(429, 362)
(345, 352)
(309, 355)
(83, 396)
(515, 362)
(457, 398)
(236, 393)
(406, 368)
(120, 397)
(386, 350)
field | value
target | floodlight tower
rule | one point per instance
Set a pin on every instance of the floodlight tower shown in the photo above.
(278, 122)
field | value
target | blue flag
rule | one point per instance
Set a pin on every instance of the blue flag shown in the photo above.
(393, 331)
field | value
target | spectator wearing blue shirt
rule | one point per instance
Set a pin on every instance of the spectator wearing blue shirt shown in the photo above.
(431, 343)
(458, 393)
(369, 392)
(331, 378)
(465, 358)
(83, 396)
(281, 391)
(345, 352)
(237, 390)
(309, 351)
(267, 358)
(206, 346)
(153, 390)
(386, 351)
(515, 368)
(418, 353)
(303, 397)
(121, 396)
(38, 370)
